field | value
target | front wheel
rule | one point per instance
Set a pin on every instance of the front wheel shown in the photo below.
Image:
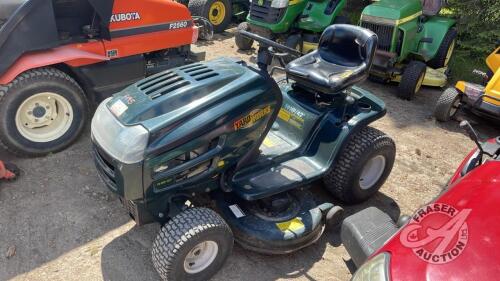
(412, 80)
(447, 105)
(363, 166)
(192, 246)
(243, 43)
(42, 111)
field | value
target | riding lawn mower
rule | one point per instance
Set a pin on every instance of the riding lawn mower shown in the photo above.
(60, 57)
(219, 151)
(296, 23)
(415, 44)
(482, 99)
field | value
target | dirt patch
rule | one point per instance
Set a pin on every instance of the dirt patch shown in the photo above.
(64, 225)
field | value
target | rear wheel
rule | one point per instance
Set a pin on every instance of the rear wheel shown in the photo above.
(447, 105)
(243, 43)
(412, 80)
(445, 51)
(218, 12)
(363, 167)
(192, 246)
(42, 111)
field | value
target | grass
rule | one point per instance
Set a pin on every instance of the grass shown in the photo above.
(462, 64)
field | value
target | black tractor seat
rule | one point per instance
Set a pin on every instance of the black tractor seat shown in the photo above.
(344, 57)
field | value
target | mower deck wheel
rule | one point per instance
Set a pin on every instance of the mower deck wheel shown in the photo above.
(447, 105)
(363, 166)
(243, 43)
(192, 246)
(412, 80)
(43, 110)
(218, 12)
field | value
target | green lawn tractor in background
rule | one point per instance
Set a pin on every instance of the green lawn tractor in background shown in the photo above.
(415, 44)
(296, 23)
(219, 13)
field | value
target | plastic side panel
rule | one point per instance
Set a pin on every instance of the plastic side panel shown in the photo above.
(411, 38)
(317, 19)
(493, 60)
(70, 54)
(435, 28)
(493, 89)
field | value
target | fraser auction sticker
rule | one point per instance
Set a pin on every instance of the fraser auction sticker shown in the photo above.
(437, 233)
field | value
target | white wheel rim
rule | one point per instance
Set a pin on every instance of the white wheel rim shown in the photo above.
(372, 171)
(200, 257)
(454, 107)
(44, 117)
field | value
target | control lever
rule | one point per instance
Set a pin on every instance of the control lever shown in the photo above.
(473, 136)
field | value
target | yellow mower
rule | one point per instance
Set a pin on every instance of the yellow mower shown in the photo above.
(481, 99)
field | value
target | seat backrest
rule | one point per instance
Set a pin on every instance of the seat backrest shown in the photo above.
(431, 7)
(347, 45)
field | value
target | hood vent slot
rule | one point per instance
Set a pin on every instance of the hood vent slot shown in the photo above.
(201, 72)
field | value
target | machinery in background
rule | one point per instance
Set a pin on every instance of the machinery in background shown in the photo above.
(297, 24)
(482, 99)
(58, 58)
(415, 44)
(220, 13)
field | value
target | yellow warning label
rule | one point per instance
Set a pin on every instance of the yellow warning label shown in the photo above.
(268, 143)
(293, 225)
(285, 115)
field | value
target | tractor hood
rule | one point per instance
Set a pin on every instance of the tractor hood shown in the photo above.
(396, 10)
(166, 98)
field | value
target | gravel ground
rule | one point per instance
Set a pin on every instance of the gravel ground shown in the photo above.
(58, 222)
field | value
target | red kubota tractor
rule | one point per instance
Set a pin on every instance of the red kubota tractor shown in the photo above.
(60, 57)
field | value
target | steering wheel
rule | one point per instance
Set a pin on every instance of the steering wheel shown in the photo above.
(285, 51)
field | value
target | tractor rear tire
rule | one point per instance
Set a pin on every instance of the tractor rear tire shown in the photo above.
(42, 111)
(193, 245)
(445, 51)
(243, 43)
(210, 9)
(411, 80)
(363, 166)
(447, 105)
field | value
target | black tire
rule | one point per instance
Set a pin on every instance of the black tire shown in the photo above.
(342, 20)
(410, 80)
(447, 105)
(179, 236)
(201, 8)
(343, 179)
(25, 86)
(439, 60)
(243, 43)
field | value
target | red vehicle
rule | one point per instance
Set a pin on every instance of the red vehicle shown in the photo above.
(58, 58)
(455, 237)
(8, 171)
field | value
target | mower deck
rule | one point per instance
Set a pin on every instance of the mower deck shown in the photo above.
(433, 77)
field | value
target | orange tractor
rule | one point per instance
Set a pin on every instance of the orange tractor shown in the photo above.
(58, 58)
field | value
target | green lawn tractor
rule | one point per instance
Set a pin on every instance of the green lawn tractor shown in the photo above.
(219, 13)
(415, 44)
(219, 152)
(296, 23)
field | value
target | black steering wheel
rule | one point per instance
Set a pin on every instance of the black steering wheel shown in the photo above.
(270, 43)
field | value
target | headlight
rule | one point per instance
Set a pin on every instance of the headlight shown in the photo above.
(279, 4)
(375, 269)
(125, 143)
